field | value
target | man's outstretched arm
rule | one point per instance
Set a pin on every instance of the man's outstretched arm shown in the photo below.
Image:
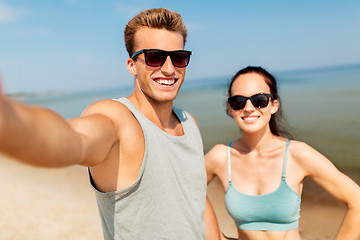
(39, 136)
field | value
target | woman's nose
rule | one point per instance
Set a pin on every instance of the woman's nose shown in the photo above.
(249, 106)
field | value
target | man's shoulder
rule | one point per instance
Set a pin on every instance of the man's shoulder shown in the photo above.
(113, 109)
(106, 107)
(118, 113)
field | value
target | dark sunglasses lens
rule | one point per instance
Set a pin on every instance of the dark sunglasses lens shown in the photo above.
(260, 100)
(237, 102)
(180, 59)
(155, 58)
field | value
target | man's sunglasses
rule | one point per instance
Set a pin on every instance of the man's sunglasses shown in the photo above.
(259, 100)
(157, 57)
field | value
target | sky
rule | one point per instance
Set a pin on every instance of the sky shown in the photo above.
(77, 45)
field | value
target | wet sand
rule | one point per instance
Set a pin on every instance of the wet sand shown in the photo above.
(58, 204)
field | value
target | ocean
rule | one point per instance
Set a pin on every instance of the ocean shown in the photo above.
(321, 107)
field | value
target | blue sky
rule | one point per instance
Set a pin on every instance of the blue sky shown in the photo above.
(78, 45)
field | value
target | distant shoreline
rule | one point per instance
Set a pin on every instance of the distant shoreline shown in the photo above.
(187, 82)
(26, 95)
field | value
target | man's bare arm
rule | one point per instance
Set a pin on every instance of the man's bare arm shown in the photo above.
(39, 136)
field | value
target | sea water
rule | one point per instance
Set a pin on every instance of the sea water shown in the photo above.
(321, 107)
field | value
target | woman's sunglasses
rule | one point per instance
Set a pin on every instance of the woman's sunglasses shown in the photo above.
(259, 100)
(157, 57)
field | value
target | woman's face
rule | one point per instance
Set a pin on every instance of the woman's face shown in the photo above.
(252, 119)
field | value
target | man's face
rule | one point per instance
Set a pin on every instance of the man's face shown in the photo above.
(159, 84)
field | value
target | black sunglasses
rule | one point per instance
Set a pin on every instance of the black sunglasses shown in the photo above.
(157, 57)
(259, 100)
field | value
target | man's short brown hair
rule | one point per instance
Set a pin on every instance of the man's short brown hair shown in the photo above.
(159, 18)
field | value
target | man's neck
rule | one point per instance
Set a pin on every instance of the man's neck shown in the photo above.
(160, 113)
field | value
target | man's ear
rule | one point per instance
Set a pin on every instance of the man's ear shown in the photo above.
(275, 106)
(130, 63)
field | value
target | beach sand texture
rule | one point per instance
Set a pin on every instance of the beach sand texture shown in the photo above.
(38, 203)
(56, 204)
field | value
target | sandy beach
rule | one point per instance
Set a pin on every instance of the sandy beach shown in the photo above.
(56, 204)
(40, 203)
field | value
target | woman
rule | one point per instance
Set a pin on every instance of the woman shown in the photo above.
(263, 171)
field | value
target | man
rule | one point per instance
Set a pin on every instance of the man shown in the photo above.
(145, 157)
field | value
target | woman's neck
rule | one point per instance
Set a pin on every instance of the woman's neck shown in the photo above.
(258, 141)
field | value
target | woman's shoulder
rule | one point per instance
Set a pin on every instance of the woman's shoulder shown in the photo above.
(218, 149)
(216, 161)
(217, 154)
(307, 157)
(301, 149)
(299, 145)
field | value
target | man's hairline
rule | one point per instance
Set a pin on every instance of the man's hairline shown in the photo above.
(154, 28)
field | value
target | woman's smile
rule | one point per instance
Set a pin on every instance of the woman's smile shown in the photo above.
(250, 119)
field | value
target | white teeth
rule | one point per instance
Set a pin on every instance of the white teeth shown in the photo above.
(249, 119)
(166, 82)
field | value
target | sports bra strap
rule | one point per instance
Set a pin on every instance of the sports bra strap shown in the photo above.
(285, 158)
(229, 162)
(284, 164)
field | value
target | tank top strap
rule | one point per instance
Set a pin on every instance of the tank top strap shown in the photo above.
(229, 161)
(285, 158)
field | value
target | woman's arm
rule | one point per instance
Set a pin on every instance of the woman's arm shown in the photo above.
(212, 231)
(214, 161)
(323, 172)
(211, 164)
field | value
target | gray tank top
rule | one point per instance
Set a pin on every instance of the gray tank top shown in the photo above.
(167, 201)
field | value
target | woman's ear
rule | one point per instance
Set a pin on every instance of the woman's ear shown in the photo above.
(275, 106)
(130, 63)
(229, 111)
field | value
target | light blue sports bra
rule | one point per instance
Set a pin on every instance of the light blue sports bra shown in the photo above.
(276, 211)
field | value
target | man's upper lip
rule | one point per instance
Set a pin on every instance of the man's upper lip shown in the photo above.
(165, 78)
